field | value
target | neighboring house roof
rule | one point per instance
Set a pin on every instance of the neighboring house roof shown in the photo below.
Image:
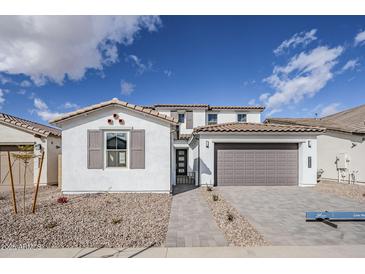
(257, 128)
(348, 121)
(28, 126)
(207, 107)
(116, 102)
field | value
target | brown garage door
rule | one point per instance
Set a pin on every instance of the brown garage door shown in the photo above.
(256, 164)
(18, 167)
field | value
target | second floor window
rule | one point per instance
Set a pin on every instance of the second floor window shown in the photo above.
(181, 117)
(212, 118)
(242, 118)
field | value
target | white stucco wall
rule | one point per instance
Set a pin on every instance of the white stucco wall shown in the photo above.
(331, 144)
(229, 116)
(76, 177)
(307, 176)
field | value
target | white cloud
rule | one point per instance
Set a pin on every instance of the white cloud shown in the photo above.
(167, 72)
(303, 76)
(2, 97)
(252, 102)
(138, 64)
(49, 48)
(350, 65)
(301, 38)
(69, 105)
(359, 38)
(330, 109)
(42, 110)
(5, 80)
(22, 92)
(25, 84)
(126, 87)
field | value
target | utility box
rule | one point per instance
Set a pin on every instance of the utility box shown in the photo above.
(342, 161)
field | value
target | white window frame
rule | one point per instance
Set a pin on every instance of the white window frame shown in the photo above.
(127, 149)
(212, 113)
(240, 113)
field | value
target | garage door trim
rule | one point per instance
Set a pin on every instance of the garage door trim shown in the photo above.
(248, 146)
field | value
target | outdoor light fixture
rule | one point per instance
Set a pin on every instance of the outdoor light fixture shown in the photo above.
(38, 147)
(309, 144)
(207, 144)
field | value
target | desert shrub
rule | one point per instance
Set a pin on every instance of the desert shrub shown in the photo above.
(62, 200)
(215, 197)
(116, 221)
(230, 217)
(50, 225)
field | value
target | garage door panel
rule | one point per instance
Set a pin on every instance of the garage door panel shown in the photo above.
(256, 164)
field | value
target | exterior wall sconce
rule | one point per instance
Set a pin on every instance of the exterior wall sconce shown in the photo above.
(309, 144)
(207, 144)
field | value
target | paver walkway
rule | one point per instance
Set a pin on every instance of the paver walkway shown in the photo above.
(191, 221)
(279, 214)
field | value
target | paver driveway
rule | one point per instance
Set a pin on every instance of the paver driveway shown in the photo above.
(279, 214)
(191, 221)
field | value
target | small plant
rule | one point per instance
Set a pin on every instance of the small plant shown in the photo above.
(363, 195)
(209, 188)
(230, 217)
(2, 197)
(215, 197)
(116, 221)
(50, 225)
(62, 200)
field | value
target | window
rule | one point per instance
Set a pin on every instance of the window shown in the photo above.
(212, 118)
(309, 162)
(241, 117)
(181, 117)
(116, 149)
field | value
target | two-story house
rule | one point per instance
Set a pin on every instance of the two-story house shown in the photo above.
(118, 146)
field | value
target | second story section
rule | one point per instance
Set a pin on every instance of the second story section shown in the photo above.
(191, 116)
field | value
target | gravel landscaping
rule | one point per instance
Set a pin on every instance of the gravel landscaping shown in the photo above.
(87, 220)
(238, 231)
(353, 191)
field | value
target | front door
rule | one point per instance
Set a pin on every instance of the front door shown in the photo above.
(181, 161)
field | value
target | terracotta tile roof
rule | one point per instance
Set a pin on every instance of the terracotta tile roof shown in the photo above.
(208, 107)
(237, 107)
(184, 136)
(29, 126)
(349, 121)
(257, 128)
(116, 102)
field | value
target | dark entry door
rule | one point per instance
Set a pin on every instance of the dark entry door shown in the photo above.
(181, 161)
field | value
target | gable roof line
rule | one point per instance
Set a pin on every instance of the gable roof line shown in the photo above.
(207, 106)
(27, 125)
(115, 101)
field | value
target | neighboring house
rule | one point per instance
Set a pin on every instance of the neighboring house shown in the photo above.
(117, 146)
(15, 132)
(341, 148)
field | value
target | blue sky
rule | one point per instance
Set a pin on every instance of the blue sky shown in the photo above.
(294, 65)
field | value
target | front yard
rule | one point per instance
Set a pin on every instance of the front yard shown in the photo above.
(87, 220)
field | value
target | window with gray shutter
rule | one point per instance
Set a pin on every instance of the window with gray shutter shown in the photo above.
(189, 120)
(137, 149)
(94, 149)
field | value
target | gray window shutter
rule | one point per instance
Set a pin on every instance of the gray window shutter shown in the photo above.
(137, 149)
(95, 149)
(174, 114)
(189, 120)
